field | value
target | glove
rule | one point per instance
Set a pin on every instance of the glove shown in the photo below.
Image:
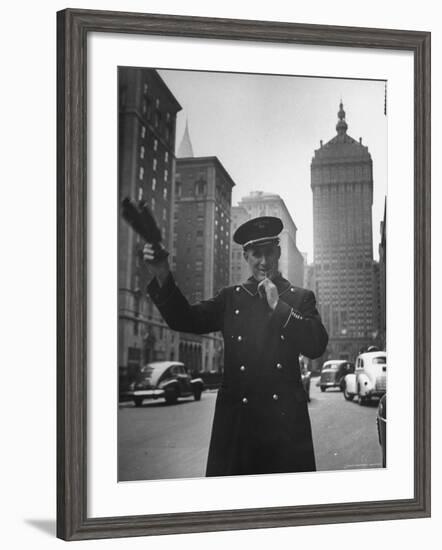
(142, 221)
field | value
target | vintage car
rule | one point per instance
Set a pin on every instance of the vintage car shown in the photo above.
(381, 422)
(333, 373)
(369, 379)
(164, 379)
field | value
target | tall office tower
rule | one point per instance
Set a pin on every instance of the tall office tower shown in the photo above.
(383, 280)
(146, 165)
(342, 186)
(239, 269)
(202, 246)
(258, 204)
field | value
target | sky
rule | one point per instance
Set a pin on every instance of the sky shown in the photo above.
(265, 128)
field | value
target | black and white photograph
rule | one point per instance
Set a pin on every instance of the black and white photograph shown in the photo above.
(251, 274)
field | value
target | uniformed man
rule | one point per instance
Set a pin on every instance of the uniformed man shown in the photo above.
(261, 422)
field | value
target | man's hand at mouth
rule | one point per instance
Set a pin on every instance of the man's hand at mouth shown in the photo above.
(268, 290)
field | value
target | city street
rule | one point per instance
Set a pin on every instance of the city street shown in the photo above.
(157, 441)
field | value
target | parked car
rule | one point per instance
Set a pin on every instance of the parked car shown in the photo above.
(333, 373)
(164, 379)
(305, 377)
(381, 422)
(369, 379)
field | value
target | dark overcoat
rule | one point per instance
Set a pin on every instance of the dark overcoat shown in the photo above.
(261, 422)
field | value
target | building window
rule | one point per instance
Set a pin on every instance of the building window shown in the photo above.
(140, 193)
(145, 88)
(164, 214)
(166, 175)
(141, 173)
(142, 152)
(166, 157)
(155, 144)
(179, 189)
(143, 131)
(153, 204)
(200, 188)
(154, 164)
(133, 355)
(157, 103)
(154, 184)
(165, 193)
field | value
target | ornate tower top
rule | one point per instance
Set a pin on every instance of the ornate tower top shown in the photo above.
(341, 126)
(186, 149)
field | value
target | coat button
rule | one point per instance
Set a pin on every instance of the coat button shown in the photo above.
(275, 397)
(278, 366)
(282, 337)
(292, 289)
(245, 400)
(237, 289)
(236, 311)
(242, 368)
(239, 338)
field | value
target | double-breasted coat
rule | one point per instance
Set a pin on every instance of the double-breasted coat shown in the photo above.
(261, 422)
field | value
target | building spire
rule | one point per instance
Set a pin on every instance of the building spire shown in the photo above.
(185, 149)
(341, 126)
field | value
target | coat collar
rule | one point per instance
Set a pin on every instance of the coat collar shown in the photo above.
(251, 285)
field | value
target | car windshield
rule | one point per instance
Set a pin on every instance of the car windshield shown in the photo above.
(332, 366)
(379, 360)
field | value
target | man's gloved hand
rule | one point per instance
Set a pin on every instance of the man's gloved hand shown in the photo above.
(158, 264)
(267, 289)
(154, 253)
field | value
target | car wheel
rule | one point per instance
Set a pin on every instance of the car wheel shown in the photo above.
(348, 396)
(171, 396)
(197, 394)
(323, 388)
(138, 401)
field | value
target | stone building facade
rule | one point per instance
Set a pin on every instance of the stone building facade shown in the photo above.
(146, 166)
(201, 246)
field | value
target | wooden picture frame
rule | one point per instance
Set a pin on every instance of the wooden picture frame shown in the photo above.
(73, 27)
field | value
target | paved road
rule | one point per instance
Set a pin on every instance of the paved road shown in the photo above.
(344, 433)
(157, 441)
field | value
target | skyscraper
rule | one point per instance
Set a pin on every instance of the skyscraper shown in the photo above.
(146, 165)
(383, 279)
(342, 186)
